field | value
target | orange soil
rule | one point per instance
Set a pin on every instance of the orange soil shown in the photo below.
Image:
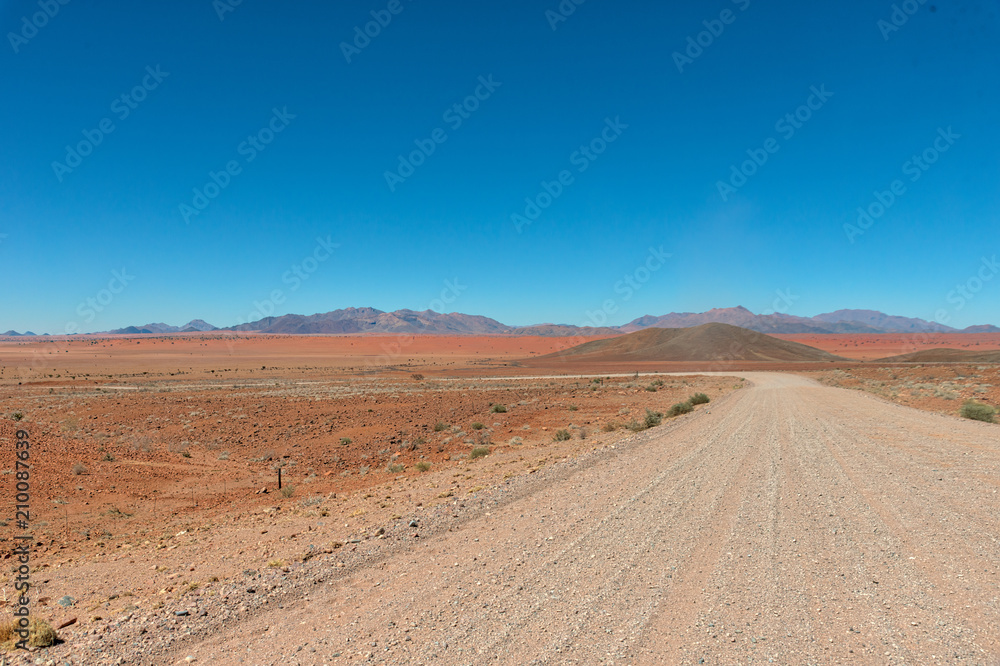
(865, 347)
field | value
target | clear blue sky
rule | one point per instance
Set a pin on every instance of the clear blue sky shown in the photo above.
(67, 228)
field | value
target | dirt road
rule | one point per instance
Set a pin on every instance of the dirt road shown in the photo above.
(788, 522)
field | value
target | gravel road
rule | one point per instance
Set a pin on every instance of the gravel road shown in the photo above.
(788, 522)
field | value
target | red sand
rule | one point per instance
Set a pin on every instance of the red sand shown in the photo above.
(872, 346)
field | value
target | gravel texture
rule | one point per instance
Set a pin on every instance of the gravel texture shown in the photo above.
(788, 522)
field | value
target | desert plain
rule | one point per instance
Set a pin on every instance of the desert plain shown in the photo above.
(488, 499)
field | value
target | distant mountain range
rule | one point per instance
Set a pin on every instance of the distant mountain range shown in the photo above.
(429, 322)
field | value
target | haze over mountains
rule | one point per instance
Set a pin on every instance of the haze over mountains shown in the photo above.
(429, 322)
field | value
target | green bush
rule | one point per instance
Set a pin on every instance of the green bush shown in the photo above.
(635, 426)
(477, 426)
(423, 466)
(572, 408)
(439, 426)
(699, 399)
(395, 468)
(498, 409)
(978, 411)
(680, 408)
(652, 419)
(563, 436)
(345, 441)
(479, 452)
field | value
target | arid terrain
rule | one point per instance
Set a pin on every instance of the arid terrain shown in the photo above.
(462, 500)
(868, 347)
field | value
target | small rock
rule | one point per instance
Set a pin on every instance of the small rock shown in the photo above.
(67, 623)
(413, 523)
(181, 613)
(66, 601)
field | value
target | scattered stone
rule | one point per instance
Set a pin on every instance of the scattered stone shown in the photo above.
(67, 623)
(413, 523)
(181, 613)
(66, 601)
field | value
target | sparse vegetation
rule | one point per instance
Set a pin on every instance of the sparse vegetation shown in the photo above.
(40, 634)
(611, 426)
(562, 435)
(186, 454)
(108, 457)
(440, 426)
(276, 564)
(573, 408)
(18, 416)
(417, 376)
(423, 466)
(288, 491)
(395, 468)
(344, 441)
(498, 409)
(477, 426)
(699, 399)
(680, 408)
(978, 411)
(479, 452)
(224, 455)
(652, 419)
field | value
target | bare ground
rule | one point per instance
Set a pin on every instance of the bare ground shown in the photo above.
(787, 522)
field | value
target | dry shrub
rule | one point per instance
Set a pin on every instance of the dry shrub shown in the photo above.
(40, 634)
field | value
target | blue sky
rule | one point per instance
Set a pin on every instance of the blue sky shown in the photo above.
(311, 223)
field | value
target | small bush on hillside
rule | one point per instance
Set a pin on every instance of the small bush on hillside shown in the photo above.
(440, 426)
(610, 426)
(395, 468)
(479, 452)
(18, 416)
(978, 411)
(498, 409)
(288, 491)
(563, 435)
(477, 426)
(635, 426)
(344, 441)
(699, 399)
(680, 408)
(423, 466)
(652, 419)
